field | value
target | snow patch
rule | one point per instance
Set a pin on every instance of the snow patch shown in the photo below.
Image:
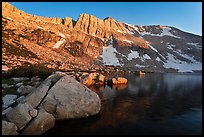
(128, 41)
(59, 43)
(133, 54)
(140, 66)
(158, 59)
(8, 18)
(109, 54)
(134, 27)
(195, 44)
(153, 48)
(61, 35)
(182, 66)
(171, 47)
(146, 56)
(165, 31)
(186, 56)
(155, 51)
(119, 31)
(40, 27)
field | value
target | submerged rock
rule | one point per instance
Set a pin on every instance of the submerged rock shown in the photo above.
(119, 80)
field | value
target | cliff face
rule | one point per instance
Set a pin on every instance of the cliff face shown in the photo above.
(97, 27)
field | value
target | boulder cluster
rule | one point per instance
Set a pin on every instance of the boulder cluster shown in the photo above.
(58, 97)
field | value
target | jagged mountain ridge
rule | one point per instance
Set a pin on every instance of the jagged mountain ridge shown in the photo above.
(90, 41)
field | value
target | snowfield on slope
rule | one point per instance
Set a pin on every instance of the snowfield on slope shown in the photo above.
(109, 54)
(182, 66)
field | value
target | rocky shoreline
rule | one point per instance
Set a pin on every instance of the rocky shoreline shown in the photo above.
(39, 103)
(34, 102)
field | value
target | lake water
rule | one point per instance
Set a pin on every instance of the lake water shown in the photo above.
(152, 104)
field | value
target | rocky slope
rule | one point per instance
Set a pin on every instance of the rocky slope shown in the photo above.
(91, 42)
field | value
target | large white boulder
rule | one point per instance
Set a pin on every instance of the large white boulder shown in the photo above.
(69, 99)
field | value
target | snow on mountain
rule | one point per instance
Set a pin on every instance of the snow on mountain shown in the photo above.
(195, 44)
(169, 55)
(59, 43)
(165, 32)
(125, 40)
(109, 54)
(182, 66)
(133, 54)
(61, 35)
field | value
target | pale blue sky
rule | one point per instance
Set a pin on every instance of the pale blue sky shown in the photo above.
(186, 16)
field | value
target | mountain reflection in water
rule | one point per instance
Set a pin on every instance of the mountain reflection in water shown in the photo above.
(152, 104)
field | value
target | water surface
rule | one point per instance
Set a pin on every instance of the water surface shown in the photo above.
(152, 104)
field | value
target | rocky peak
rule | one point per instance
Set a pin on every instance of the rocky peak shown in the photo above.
(97, 27)
(10, 11)
(68, 22)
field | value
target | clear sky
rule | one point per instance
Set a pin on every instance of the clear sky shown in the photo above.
(186, 16)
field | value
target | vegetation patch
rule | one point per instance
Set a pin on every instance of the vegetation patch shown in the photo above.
(30, 70)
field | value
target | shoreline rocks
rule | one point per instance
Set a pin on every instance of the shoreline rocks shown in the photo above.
(118, 80)
(9, 128)
(93, 79)
(69, 99)
(58, 97)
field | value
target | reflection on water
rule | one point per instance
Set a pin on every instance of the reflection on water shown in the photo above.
(152, 104)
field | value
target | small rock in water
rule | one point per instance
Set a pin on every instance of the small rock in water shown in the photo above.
(20, 79)
(4, 85)
(7, 86)
(35, 79)
(25, 89)
(119, 80)
(19, 84)
(10, 86)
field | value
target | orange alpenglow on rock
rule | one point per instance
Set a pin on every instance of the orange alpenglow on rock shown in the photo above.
(119, 80)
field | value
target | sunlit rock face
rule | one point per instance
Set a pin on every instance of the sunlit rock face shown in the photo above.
(90, 41)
